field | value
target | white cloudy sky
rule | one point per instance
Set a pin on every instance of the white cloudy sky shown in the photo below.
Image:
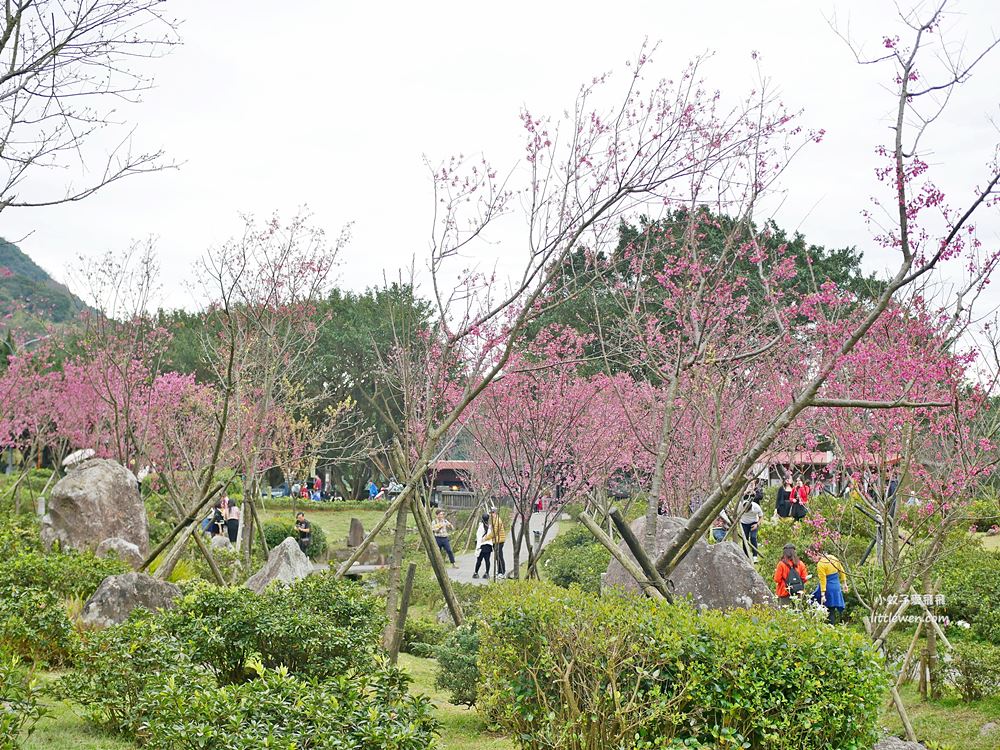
(332, 105)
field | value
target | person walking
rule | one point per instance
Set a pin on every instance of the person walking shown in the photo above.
(750, 521)
(789, 576)
(372, 489)
(783, 500)
(832, 586)
(233, 521)
(499, 537)
(442, 529)
(484, 545)
(799, 500)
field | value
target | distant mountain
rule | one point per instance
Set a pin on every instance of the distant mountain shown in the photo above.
(28, 295)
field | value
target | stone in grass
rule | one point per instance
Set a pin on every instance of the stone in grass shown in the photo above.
(117, 596)
(894, 743)
(285, 563)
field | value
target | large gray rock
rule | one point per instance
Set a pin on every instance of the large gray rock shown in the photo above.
(98, 500)
(717, 576)
(123, 548)
(286, 563)
(220, 542)
(117, 596)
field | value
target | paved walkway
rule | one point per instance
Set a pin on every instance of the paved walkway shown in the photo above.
(467, 562)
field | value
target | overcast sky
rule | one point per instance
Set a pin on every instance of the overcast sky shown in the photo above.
(332, 105)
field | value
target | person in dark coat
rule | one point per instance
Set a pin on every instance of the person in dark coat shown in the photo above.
(783, 500)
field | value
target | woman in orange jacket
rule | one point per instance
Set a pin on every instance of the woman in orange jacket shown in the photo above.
(789, 565)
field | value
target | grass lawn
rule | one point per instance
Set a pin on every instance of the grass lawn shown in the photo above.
(951, 723)
(461, 727)
(62, 729)
(336, 523)
(991, 543)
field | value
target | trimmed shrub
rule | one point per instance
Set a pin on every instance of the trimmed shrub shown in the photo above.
(458, 668)
(575, 557)
(116, 666)
(275, 532)
(66, 574)
(420, 637)
(367, 710)
(564, 669)
(19, 703)
(34, 625)
(318, 627)
(974, 669)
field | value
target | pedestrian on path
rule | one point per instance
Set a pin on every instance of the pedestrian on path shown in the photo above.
(442, 529)
(499, 533)
(484, 545)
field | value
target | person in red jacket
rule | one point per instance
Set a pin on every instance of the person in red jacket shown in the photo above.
(799, 500)
(789, 562)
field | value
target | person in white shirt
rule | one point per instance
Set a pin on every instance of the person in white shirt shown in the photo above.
(484, 545)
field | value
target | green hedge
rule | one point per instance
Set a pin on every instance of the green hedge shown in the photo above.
(564, 669)
(233, 670)
(66, 574)
(367, 710)
(34, 625)
(318, 627)
(575, 557)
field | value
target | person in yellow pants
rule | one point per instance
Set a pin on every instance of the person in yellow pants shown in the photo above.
(499, 537)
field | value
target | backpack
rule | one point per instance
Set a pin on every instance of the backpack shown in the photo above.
(794, 582)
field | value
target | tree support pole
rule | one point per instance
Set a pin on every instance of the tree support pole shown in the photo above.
(404, 606)
(437, 563)
(633, 570)
(192, 516)
(632, 542)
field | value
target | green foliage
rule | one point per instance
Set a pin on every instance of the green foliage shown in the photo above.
(116, 666)
(364, 710)
(458, 668)
(275, 532)
(20, 706)
(564, 669)
(18, 535)
(575, 557)
(318, 627)
(971, 588)
(195, 677)
(984, 511)
(34, 625)
(974, 669)
(65, 574)
(160, 516)
(421, 636)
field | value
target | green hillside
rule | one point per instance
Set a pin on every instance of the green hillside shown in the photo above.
(28, 295)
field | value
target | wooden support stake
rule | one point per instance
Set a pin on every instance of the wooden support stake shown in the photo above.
(633, 570)
(404, 606)
(183, 524)
(635, 547)
(437, 563)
